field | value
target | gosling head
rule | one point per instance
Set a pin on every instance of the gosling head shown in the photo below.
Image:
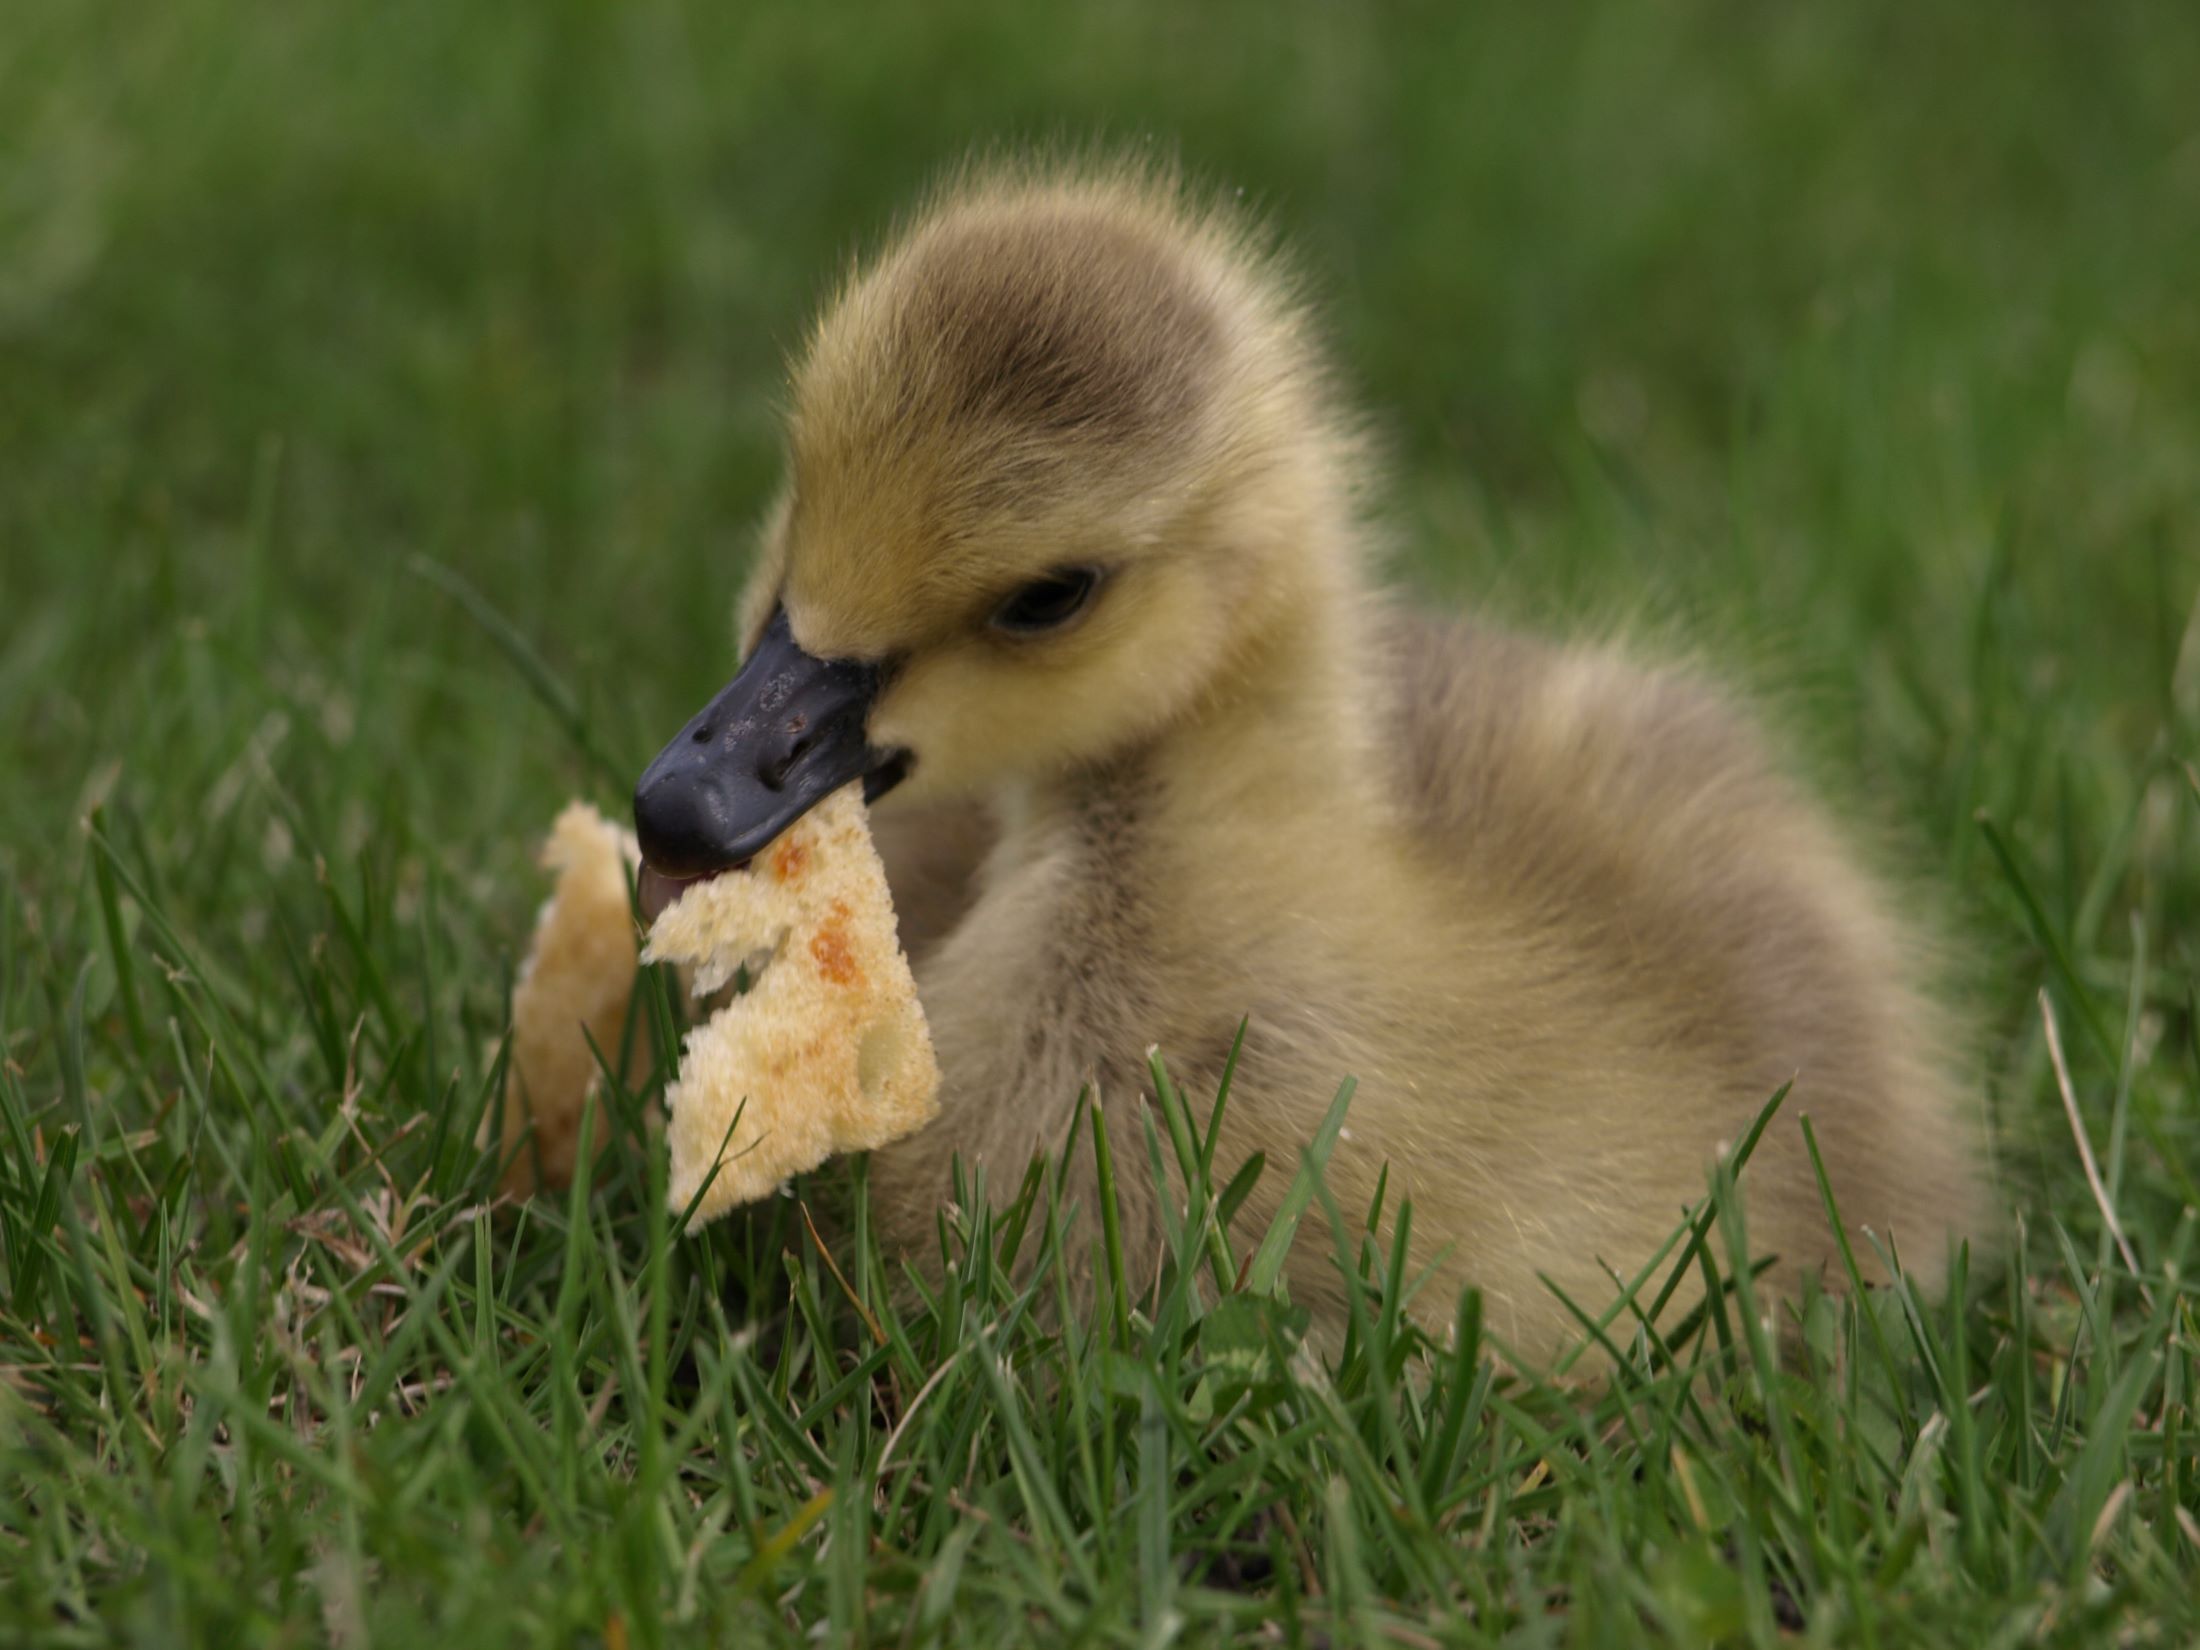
(1057, 464)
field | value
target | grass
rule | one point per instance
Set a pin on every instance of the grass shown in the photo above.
(1856, 344)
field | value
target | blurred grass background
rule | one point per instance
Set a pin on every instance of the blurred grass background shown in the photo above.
(1835, 315)
(1861, 343)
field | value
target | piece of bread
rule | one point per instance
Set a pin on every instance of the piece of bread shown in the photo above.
(827, 1051)
(574, 985)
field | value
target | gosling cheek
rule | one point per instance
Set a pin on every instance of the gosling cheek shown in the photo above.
(929, 713)
(953, 757)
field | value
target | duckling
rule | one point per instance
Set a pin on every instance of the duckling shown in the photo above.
(1073, 567)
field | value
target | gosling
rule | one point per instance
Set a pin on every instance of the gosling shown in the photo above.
(1072, 566)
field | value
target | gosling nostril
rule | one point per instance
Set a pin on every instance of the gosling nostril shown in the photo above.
(783, 734)
(773, 772)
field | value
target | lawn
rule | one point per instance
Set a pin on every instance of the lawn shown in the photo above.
(387, 393)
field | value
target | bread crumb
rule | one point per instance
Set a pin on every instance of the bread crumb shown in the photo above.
(828, 1051)
(573, 987)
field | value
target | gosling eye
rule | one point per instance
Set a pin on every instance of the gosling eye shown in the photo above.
(1048, 603)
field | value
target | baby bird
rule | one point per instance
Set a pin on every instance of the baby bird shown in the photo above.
(1071, 566)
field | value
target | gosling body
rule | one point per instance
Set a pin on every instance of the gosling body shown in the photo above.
(1556, 908)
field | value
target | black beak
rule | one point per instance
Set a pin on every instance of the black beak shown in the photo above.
(777, 740)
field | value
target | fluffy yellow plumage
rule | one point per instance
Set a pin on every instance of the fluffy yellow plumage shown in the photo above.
(1557, 906)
